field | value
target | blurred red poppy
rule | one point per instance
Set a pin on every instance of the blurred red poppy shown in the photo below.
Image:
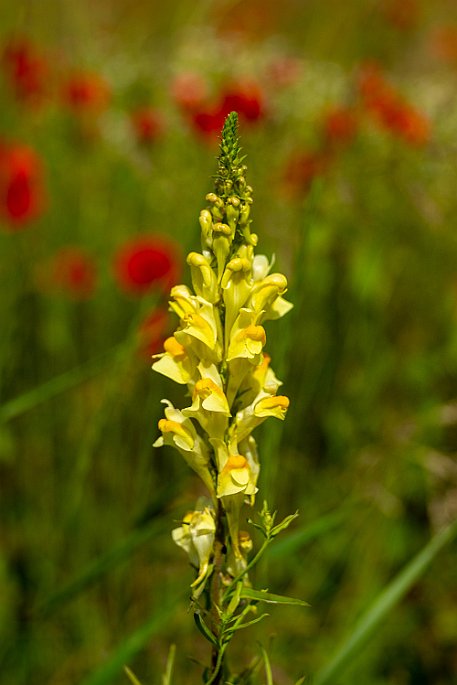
(25, 69)
(339, 126)
(86, 92)
(146, 263)
(147, 125)
(21, 185)
(391, 110)
(244, 97)
(73, 271)
(153, 332)
(208, 122)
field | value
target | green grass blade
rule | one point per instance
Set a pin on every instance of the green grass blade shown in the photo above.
(388, 598)
(168, 675)
(115, 556)
(131, 676)
(126, 651)
(55, 386)
(266, 663)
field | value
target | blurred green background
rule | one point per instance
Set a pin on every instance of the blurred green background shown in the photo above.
(109, 119)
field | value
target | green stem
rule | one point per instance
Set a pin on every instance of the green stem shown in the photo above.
(250, 565)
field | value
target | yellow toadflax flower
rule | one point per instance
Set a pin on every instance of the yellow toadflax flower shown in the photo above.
(218, 352)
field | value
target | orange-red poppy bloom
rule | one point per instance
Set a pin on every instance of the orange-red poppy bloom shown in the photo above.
(147, 263)
(73, 271)
(21, 185)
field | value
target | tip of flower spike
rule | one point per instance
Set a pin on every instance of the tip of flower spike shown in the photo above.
(230, 142)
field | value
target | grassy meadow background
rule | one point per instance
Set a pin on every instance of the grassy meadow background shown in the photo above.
(109, 117)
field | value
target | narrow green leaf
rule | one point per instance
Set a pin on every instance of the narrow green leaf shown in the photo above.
(389, 597)
(301, 537)
(285, 523)
(115, 556)
(203, 628)
(168, 675)
(54, 386)
(266, 661)
(231, 631)
(263, 596)
(131, 676)
(126, 651)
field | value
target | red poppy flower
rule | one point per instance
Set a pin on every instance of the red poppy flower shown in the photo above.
(25, 69)
(86, 92)
(147, 125)
(153, 332)
(391, 110)
(147, 263)
(73, 271)
(246, 98)
(21, 185)
(339, 126)
(209, 122)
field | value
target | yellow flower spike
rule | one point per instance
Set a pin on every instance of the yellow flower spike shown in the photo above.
(203, 277)
(175, 362)
(179, 432)
(266, 297)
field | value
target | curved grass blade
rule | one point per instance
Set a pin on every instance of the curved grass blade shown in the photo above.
(388, 598)
(118, 554)
(126, 651)
(57, 385)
